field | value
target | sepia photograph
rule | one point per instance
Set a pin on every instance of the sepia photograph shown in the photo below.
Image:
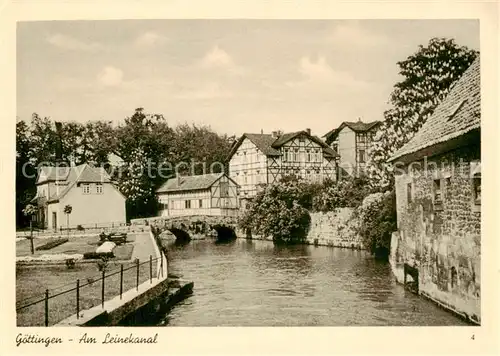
(248, 172)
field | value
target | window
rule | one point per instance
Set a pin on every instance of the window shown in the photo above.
(362, 138)
(296, 155)
(361, 156)
(165, 206)
(476, 188)
(302, 139)
(86, 188)
(285, 155)
(99, 188)
(224, 189)
(200, 203)
(308, 156)
(187, 204)
(437, 191)
(409, 193)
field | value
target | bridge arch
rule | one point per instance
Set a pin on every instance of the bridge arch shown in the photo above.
(224, 233)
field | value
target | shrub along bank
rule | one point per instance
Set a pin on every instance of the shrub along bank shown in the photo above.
(282, 209)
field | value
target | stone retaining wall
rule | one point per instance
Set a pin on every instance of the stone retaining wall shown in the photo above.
(337, 228)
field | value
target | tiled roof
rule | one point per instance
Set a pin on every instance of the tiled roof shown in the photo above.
(269, 145)
(185, 183)
(458, 114)
(67, 177)
(263, 143)
(357, 126)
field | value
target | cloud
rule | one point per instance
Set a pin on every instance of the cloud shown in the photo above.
(217, 58)
(150, 38)
(211, 90)
(71, 43)
(110, 76)
(319, 72)
(352, 34)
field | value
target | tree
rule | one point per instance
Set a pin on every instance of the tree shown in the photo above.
(143, 142)
(30, 211)
(428, 75)
(276, 211)
(67, 210)
(25, 173)
(377, 220)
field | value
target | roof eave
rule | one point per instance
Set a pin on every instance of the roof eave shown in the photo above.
(467, 138)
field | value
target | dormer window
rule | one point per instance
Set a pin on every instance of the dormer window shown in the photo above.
(99, 188)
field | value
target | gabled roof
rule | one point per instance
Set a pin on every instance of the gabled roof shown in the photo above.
(186, 183)
(357, 126)
(270, 146)
(458, 114)
(67, 177)
(81, 173)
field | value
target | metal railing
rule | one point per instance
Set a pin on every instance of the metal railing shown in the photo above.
(86, 293)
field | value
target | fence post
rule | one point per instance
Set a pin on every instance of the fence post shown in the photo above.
(46, 307)
(137, 275)
(102, 292)
(150, 269)
(77, 298)
(121, 281)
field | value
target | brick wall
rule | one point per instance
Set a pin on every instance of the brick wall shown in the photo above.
(443, 241)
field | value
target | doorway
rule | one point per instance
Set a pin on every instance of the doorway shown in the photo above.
(54, 220)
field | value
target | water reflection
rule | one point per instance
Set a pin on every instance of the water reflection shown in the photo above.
(254, 283)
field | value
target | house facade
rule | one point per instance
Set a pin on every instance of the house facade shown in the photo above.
(207, 194)
(352, 140)
(438, 198)
(257, 159)
(94, 199)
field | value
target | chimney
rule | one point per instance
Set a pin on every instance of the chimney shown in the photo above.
(59, 150)
(359, 119)
(261, 131)
(308, 130)
(178, 180)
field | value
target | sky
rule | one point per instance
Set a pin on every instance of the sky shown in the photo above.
(234, 75)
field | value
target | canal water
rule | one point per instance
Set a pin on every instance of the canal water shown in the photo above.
(254, 283)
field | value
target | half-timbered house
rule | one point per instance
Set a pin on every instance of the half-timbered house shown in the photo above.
(352, 140)
(206, 194)
(257, 159)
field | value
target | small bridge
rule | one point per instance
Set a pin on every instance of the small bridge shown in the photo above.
(185, 228)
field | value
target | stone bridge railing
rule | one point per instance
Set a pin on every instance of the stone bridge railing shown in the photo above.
(194, 226)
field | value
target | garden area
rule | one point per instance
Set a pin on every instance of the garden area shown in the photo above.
(60, 278)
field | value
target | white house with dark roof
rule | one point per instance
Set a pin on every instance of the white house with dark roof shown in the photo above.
(352, 140)
(206, 194)
(94, 199)
(264, 158)
(438, 200)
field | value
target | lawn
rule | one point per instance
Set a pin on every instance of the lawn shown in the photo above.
(31, 283)
(32, 280)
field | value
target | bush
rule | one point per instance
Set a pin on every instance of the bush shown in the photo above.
(378, 220)
(96, 255)
(51, 244)
(347, 193)
(278, 211)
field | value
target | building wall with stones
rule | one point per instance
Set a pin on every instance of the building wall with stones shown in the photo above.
(439, 229)
(336, 228)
